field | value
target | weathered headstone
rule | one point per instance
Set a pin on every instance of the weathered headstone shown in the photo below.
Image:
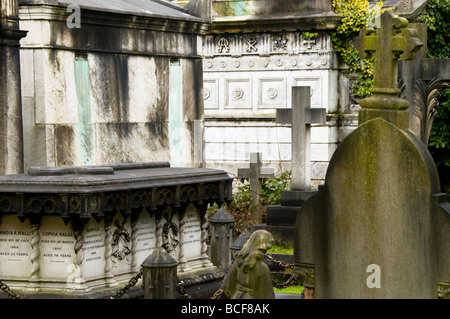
(383, 232)
(255, 173)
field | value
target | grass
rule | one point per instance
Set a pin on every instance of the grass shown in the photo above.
(280, 250)
(294, 289)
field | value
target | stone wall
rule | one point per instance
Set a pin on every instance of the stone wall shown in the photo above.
(105, 92)
(247, 76)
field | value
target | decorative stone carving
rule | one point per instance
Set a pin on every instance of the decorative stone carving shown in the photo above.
(206, 93)
(238, 93)
(426, 97)
(251, 45)
(280, 43)
(272, 93)
(223, 45)
(121, 241)
(309, 42)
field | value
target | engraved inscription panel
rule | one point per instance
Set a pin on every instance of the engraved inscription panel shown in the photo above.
(94, 250)
(15, 248)
(192, 234)
(56, 247)
(145, 236)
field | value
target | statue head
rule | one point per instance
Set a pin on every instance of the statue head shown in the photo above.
(254, 250)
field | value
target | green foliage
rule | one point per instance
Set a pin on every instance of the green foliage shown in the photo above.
(355, 16)
(437, 18)
(439, 143)
(309, 35)
(295, 289)
(242, 205)
(272, 187)
(280, 250)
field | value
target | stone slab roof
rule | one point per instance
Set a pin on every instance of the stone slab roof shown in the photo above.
(157, 8)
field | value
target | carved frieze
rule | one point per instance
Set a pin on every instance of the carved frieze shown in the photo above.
(265, 44)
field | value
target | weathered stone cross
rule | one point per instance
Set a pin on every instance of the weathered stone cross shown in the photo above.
(390, 43)
(254, 174)
(300, 117)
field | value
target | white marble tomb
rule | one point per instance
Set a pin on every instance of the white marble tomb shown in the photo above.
(50, 255)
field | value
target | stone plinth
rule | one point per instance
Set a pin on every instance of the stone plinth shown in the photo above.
(80, 229)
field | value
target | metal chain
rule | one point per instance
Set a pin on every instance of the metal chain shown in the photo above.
(278, 262)
(4, 287)
(286, 284)
(182, 291)
(218, 293)
(133, 281)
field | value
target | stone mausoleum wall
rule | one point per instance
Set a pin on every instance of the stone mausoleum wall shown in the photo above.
(123, 87)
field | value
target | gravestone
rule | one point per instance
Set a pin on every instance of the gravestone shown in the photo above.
(383, 232)
(83, 231)
(281, 218)
(255, 173)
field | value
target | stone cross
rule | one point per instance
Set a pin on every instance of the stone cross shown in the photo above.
(255, 172)
(300, 117)
(389, 43)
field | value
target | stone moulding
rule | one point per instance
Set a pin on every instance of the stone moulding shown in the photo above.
(119, 188)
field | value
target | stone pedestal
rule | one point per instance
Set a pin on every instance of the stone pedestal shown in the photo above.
(281, 218)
